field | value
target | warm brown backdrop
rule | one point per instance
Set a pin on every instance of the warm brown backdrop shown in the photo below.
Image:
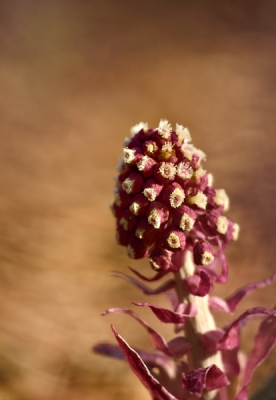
(74, 76)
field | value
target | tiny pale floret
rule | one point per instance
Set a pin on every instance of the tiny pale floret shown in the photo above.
(222, 224)
(164, 129)
(221, 199)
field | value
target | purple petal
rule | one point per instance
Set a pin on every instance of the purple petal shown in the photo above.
(230, 339)
(216, 303)
(209, 378)
(231, 362)
(230, 304)
(265, 340)
(176, 348)
(233, 301)
(168, 316)
(140, 369)
(146, 290)
(198, 285)
(156, 277)
(110, 350)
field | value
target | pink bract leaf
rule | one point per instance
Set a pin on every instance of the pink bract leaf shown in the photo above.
(198, 285)
(176, 348)
(209, 378)
(146, 290)
(168, 316)
(265, 341)
(233, 301)
(140, 369)
(230, 304)
(230, 339)
(156, 277)
(109, 349)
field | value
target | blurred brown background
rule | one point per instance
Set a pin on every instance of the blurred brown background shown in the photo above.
(75, 76)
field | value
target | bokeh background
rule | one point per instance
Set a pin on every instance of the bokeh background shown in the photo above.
(74, 77)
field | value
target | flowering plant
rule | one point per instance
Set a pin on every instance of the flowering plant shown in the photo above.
(167, 210)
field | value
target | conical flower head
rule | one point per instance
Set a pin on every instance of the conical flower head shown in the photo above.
(162, 185)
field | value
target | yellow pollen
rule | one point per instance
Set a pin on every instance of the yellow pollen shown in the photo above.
(142, 163)
(198, 174)
(139, 233)
(184, 171)
(164, 129)
(186, 222)
(127, 185)
(150, 194)
(222, 225)
(134, 208)
(221, 199)
(154, 219)
(182, 134)
(124, 223)
(128, 155)
(177, 197)
(150, 148)
(200, 200)
(130, 251)
(166, 151)
(154, 265)
(236, 231)
(173, 241)
(207, 258)
(136, 128)
(167, 170)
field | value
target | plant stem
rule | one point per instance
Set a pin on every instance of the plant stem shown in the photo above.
(198, 356)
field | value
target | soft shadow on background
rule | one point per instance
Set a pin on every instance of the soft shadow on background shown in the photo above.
(75, 76)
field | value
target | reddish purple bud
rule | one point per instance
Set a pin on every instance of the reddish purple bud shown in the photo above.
(122, 236)
(174, 239)
(133, 183)
(184, 217)
(209, 378)
(157, 214)
(122, 199)
(164, 172)
(214, 223)
(152, 189)
(232, 232)
(139, 205)
(173, 195)
(198, 285)
(116, 210)
(203, 253)
(196, 199)
(132, 156)
(124, 170)
(145, 165)
(160, 259)
(128, 220)
(145, 232)
(136, 248)
(200, 178)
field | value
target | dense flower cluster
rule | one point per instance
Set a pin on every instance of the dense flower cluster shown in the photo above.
(167, 210)
(164, 199)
